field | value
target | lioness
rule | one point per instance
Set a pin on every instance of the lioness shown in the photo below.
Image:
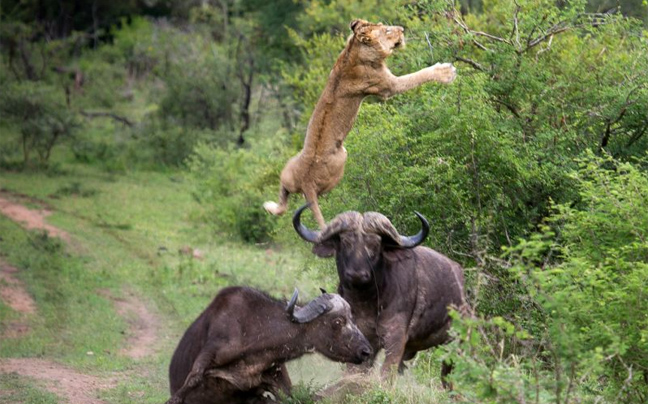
(360, 71)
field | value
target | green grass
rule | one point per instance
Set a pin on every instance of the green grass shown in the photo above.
(14, 389)
(127, 230)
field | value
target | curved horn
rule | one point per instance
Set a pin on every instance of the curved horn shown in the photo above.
(323, 291)
(378, 223)
(303, 231)
(314, 309)
(290, 308)
(413, 241)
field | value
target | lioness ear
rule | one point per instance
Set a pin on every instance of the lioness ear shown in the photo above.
(356, 24)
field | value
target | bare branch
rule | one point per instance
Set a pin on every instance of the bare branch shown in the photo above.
(463, 25)
(427, 38)
(472, 63)
(116, 117)
(552, 31)
(546, 48)
(637, 135)
(516, 28)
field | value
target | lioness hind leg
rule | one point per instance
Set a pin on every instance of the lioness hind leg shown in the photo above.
(311, 197)
(278, 208)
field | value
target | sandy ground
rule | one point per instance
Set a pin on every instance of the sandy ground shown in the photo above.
(29, 218)
(74, 387)
(13, 293)
(143, 325)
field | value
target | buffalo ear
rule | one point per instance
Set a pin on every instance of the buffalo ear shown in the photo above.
(389, 243)
(394, 255)
(324, 250)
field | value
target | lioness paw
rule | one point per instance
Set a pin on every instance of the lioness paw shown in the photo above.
(272, 208)
(444, 72)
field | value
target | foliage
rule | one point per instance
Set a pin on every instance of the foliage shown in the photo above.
(484, 156)
(334, 16)
(42, 118)
(199, 92)
(231, 184)
(498, 160)
(583, 278)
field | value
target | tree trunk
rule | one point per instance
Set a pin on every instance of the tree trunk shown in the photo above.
(247, 98)
(26, 59)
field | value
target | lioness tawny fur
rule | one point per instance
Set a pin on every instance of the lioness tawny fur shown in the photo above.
(360, 71)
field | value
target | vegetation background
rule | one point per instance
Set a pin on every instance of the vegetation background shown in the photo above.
(157, 127)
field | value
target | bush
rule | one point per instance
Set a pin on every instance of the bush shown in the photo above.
(231, 184)
(41, 116)
(200, 93)
(583, 278)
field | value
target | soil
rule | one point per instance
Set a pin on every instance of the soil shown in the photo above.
(75, 387)
(30, 219)
(13, 294)
(143, 325)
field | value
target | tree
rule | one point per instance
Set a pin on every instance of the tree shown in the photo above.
(42, 117)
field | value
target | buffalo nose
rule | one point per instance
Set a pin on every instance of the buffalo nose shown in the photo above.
(366, 353)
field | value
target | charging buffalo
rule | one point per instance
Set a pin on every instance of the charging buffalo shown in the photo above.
(399, 292)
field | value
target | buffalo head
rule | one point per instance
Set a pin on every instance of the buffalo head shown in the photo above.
(358, 242)
(331, 329)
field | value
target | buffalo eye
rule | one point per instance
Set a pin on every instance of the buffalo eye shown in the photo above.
(339, 323)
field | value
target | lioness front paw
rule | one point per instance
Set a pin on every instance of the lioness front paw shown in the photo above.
(444, 72)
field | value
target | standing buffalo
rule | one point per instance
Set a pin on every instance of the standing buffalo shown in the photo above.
(399, 292)
(235, 352)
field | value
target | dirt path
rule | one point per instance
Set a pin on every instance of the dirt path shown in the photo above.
(74, 387)
(143, 325)
(29, 218)
(13, 294)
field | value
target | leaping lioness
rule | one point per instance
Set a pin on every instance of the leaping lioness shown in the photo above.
(360, 71)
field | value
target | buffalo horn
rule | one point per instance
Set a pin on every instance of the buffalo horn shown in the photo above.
(290, 308)
(413, 241)
(303, 231)
(314, 309)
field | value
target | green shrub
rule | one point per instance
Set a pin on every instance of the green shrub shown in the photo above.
(39, 112)
(583, 278)
(232, 184)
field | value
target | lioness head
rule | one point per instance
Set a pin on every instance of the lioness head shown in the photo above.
(377, 41)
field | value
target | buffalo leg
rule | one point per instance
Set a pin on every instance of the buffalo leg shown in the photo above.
(196, 376)
(276, 381)
(446, 368)
(408, 355)
(394, 340)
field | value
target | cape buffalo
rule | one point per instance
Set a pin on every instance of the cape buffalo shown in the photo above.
(399, 292)
(235, 352)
